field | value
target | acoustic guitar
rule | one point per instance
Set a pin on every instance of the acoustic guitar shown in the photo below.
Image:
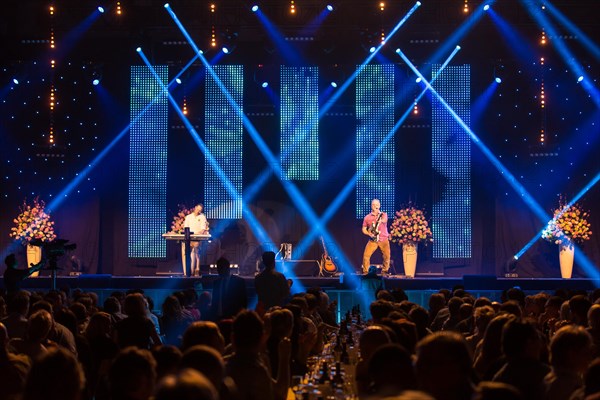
(327, 263)
(374, 228)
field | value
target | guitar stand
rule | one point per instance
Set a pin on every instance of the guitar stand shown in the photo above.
(325, 274)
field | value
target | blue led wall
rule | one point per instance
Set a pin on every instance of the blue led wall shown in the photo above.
(147, 164)
(451, 161)
(224, 134)
(374, 120)
(299, 123)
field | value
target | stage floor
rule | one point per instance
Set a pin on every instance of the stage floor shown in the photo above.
(342, 282)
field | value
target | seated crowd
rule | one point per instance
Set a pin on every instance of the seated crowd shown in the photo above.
(64, 345)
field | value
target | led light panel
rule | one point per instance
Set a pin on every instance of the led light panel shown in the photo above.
(374, 120)
(451, 161)
(299, 123)
(147, 164)
(224, 134)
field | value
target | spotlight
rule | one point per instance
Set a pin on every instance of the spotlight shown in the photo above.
(167, 5)
(498, 80)
(254, 8)
(101, 9)
(329, 7)
(486, 7)
(510, 267)
(334, 84)
(418, 80)
(265, 84)
(397, 51)
(225, 50)
(139, 49)
(95, 82)
(178, 81)
(15, 81)
(580, 78)
(372, 49)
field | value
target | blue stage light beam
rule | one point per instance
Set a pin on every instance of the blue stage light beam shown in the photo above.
(83, 174)
(516, 42)
(327, 106)
(76, 34)
(313, 26)
(256, 227)
(559, 44)
(588, 266)
(574, 200)
(80, 176)
(274, 97)
(460, 33)
(517, 186)
(330, 211)
(294, 193)
(287, 51)
(395, 29)
(588, 43)
(480, 104)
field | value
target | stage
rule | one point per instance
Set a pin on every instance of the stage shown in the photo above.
(286, 126)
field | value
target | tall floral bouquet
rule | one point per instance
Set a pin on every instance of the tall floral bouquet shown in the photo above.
(33, 223)
(410, 225)
(179, 219)
(569, 224)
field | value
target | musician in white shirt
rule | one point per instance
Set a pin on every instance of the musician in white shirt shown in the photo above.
(198, 224)
(375, 227)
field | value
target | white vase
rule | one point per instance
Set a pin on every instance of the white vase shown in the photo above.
(409, 257)
(566, 255)
(34, 256)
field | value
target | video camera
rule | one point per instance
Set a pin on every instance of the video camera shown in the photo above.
(55, 248)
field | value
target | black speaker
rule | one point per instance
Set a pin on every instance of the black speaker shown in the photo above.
(479, 282)
(298, 267)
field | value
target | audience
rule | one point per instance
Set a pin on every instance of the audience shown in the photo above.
(229, 293)
(18, 310)
(132, 375)
(13, 369)
(271, 286)
(55, 376)
(443, 366)
(570, 355)
(186, 385)
(62, 345)
(246, 366)
(173, 321)
(135, 330)
(522, 348)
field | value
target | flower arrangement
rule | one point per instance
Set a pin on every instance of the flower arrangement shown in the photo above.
(179, 219)
(33, 223)
(569, 224)
(410, 225)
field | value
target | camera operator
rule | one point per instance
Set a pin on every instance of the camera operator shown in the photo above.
(14, 276)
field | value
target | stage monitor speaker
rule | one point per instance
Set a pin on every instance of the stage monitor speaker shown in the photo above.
(479, 282)
(95, 276)
(298, 267)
